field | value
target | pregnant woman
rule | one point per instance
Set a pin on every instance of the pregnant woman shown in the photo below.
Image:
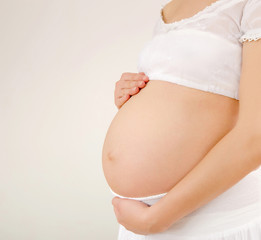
(182, 155)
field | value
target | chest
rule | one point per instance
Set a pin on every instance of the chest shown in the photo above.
(177, 10)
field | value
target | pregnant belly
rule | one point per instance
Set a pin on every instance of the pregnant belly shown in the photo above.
(160, 134)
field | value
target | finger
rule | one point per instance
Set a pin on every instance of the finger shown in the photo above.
(133, 77)
(128, 91)
(141, 84)
(132, 84)
(132, 91)
(143, 73)
(131, 80)
(114, 201)
(121, 100)
(145, 78)
(117, 214)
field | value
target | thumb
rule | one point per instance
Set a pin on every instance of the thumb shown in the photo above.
(115, 201)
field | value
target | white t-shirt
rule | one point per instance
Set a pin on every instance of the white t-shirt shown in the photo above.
(203, 51)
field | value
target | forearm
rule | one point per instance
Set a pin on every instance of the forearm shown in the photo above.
(232, 158)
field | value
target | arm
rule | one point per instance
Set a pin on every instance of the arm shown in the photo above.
(233, 157)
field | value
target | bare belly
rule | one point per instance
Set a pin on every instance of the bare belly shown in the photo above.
(160, 134)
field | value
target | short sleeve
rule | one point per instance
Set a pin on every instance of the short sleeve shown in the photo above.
(251, 21)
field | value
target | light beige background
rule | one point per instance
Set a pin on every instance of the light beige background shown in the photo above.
(59, 61)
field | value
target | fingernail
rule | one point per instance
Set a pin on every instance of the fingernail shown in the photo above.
(145, 78)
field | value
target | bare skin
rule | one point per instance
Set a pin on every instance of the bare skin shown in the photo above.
(128, 85)
(161, 133)
(180, 9)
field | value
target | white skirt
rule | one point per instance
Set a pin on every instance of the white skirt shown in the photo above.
(233, 215)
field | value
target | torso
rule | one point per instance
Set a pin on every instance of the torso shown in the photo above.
(160, 134)
(179, 9)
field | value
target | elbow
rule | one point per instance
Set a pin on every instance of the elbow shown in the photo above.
(254, 145)
(256, 141)
(252, 139)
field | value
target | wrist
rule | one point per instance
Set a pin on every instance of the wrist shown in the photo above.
(155, 219)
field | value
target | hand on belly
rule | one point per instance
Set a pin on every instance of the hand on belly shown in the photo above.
(158, 136)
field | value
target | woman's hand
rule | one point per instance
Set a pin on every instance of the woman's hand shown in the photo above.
(128, 85)
(135, 216)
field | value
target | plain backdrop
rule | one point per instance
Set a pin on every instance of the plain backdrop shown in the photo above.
(59, 61)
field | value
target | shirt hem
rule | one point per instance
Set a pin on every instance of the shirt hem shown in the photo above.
(195, 85)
